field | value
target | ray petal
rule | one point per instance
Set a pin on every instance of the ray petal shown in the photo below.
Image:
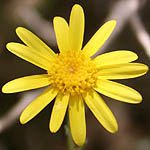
(76, 28)
(122, 71)
(29, 54)
(77, 119)
(34, 42)
(101, 111)
(26, 83)
(118, 91)
(38, 105)
(58, 112)
(62, 33)
(99, 38)
(115, 57)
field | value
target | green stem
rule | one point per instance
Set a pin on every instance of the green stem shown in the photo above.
(70, 142)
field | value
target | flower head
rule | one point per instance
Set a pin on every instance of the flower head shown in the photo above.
(74, 78)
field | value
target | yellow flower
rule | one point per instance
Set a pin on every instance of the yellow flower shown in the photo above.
(73, 77)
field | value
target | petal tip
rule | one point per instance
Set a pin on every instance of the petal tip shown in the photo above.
(114, 129)
(22, 120)
(55, 18)
(79, 142)
(8, 45)
(146, 68)
(113, 22)
(135, 55)
(4, 90)
(52, 128)
(18, 29)
(139, 100)
(76, 6)
(11, 45)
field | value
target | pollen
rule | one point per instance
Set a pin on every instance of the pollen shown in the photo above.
(73, 73)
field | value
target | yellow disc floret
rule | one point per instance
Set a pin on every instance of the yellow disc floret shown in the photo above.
(72, 72)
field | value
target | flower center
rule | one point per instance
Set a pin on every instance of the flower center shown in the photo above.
(72, 72)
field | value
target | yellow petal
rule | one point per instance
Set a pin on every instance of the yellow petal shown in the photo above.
(77, 119)
(122, 71)
(118, 91)
(76, 28)
(101, 111)
(115, 57)
(29, 54)
(34, 42)
(37, 105)
(58, 112)
(26, 83)
(98, 39)
(62, 33)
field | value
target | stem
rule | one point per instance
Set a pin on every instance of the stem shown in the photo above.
(70, 142)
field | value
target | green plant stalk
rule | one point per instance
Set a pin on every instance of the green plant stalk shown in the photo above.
(70, 142)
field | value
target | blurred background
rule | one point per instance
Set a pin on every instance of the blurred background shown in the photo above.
(132, 33)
